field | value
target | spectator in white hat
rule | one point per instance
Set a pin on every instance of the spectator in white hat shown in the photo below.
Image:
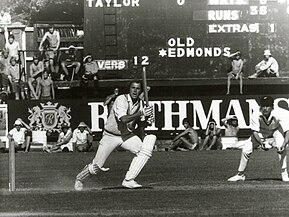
(82, 137)
(20, 136)
(268, 67)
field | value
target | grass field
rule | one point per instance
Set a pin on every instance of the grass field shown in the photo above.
(175, 184)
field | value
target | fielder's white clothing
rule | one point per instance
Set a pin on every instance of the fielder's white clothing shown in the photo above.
(270, 131)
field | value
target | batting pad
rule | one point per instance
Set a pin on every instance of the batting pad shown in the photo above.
(83, 174)
(142, 157)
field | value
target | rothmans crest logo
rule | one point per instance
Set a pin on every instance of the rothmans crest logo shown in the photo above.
(49, 116)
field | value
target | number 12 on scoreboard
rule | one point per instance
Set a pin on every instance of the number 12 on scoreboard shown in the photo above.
(143, 60)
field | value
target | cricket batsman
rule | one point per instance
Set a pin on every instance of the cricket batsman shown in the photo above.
(127, 116)
(270, 126)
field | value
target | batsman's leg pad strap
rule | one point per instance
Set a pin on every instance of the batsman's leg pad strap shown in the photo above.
(93, 168)
(83, 174)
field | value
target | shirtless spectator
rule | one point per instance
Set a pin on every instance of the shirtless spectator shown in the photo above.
(236, 72)
(69, 59)
(46, 90)
(212, 139)
(266, 68)
(13, 47)
(53, 39)
(4, 66)
(188, 139)
(36, 70)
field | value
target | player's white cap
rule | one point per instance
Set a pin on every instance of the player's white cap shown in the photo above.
(267, 53)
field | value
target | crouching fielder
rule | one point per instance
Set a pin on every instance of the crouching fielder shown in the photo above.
(126, 114)
(269, 126)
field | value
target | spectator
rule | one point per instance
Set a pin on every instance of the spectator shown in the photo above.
(2, 147)
(212, 138)
(16, 79)
(64, 143)
(90, 69)
(266, 68)
(36, 70)
(230, 140)
(231, 124)
(3, 97)
(5, 19)
(20, 136)
(188, 139)
(110, 99)
(82, 137)
(68, 60)
(53, 38)
(4, 66)
(13, 47)
(236, 72)
(46, 87)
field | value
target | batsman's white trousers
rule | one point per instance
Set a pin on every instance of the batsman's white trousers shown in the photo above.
(110, 142)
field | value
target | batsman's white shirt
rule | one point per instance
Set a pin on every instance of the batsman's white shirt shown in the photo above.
(122, 106)
(278, 120)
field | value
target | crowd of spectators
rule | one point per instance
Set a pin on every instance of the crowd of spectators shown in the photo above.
(20, 80)
(212, 139)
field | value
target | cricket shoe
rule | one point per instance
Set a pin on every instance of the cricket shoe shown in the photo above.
(130, 184)
(237, 178)
(78, 185)
(285, 177)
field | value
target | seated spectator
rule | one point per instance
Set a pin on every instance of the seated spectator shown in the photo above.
(90, 69)
(16, 79)
(110, 99)
(188, 139)
(4, 65)
(64, 143)
(231, 124)
(266, 68)
(20, 136)
(236, 72)
(36, 70)
(82, 137)
(69, 59)
(212, 138)
(46, 87)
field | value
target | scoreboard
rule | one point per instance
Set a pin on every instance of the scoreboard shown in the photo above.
(185, 38)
